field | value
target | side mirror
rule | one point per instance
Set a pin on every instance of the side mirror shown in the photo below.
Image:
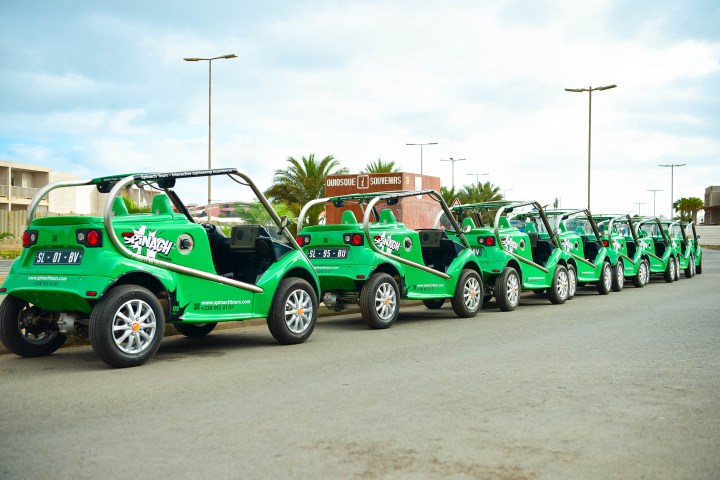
(284, 222)
(466, 228)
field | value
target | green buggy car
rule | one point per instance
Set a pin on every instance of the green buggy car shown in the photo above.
(376, 263)
(596, 262)
(118, 278)
(619, 233)
(688, 251)
(659, 248)
(513, 254)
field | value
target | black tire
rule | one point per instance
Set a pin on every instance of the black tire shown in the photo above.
(467, 300)
(677, 269)
(558, 292)
(604, 283)
(195, 330)
(125, 315)
(618, 276)
(572, 281)
(669, 273)
(698, 268)
(434, 304)
(380, 301)
(507, 289)
(643, 274)
(690, 270)
(298, 297)
(26, 330)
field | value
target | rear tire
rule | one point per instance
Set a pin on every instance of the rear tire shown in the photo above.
(604, 283)
(468, 294)
(669, 273)
(643, 274)
(294, 311)
(380, 301)
(434, 303)
(558, 292)
(698, 268)
(195, 330)
(507, 289)
(572, 282)
(127, 326)
(677, 269)
(618, 279)
(26, 331)
(690, 270)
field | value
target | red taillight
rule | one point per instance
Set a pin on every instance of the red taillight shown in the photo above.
(302, 240)
(93, 237)
(605, 243)
(30, 238)
(354, 239)
(486, 241)
(89, 237)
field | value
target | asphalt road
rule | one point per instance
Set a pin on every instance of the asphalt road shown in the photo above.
(619, 387)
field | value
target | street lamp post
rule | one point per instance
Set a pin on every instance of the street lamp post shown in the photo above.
(421, 156)
(209, 60)
(589, 90)
(638, 204)
(654, 190)
(672, 174)
(477, 176)
(453, 160)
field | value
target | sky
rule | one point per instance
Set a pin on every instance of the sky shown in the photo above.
(98, 88)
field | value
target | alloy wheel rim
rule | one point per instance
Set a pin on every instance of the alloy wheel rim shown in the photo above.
(572, 283)
(471, 293)
(620, 274)
(607, 277)
(385, 301)
(134, 326)
(562, 285)
(513, 289)
(298, 311)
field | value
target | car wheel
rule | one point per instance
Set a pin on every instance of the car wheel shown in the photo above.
(126, 326)
(669, 273)
(677, 269)
(618, 277)
(604, 284)
(689, 270)
(643, 274)
(195, 330)
(294, 311)
(572, 282)
(27, 330)
(468, 294)
(380, 301)
(507, 289)
(558, 292)
(698, 267)
(434, 303)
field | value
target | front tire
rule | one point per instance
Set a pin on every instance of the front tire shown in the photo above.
(690, 270)
(467, 299)
(698, 268)
(26, 330)
(572, 282)
(195, 330)
(294, 311)
(677, 269)
(127, 326)
(507, 290)
(380, 301)
(618, 278)
(558, 292)
(604, 284)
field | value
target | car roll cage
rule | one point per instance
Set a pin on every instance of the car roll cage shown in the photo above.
(632, 231)
(165, 181)
(391, 198)
(508, 208)
(665, 238)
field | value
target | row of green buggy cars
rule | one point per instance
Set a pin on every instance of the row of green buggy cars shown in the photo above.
(119, 278)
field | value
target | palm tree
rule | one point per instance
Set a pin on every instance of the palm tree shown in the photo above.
(688, 208)
(380, 167)
(303, 181)
(448, 194)
(480, 192)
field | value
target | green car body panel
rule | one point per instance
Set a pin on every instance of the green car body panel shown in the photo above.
(198, 275)
(659, 247)
(683, 238)
(425, 263)
(515, 235)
